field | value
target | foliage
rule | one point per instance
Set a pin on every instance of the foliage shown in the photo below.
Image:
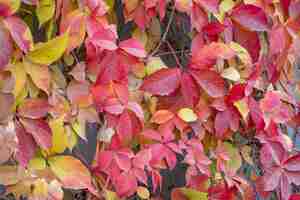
(107, 95)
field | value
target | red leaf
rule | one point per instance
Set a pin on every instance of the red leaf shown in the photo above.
(26, 145)
(206, 57)
(133, 47)
(251, 17)
(6, 47)
(40, 131)
(189, 90)
(211, 82)
(34, 108)
(162, 116)
(125, 128)
(249, 40)
(162, 82)
(20, 32)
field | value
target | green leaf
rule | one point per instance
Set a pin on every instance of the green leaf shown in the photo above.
(192, 194)
(45, 10)
(49, 52)
(235, 161)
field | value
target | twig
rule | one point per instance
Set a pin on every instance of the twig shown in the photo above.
(174, 54)
(165, 33)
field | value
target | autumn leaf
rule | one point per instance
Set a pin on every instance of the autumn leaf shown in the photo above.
(162, 82)
(133, 47)
(45, 10)
(40, 75)
(207, 56)
(187, 115)
(59, 136)
(20, 32)
(74, 22)
(49, 52)
(211, 82)
(34, 108)
(6, 48)
(251, 17)
(40, 131)
(71, 172)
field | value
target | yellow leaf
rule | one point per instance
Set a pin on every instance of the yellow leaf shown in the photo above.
(59, 136)
(109, 195)
(231, 74)
(19, 75)
(45, 10)
(37, 163)
(242, 107)
(187, 115)
(49, 52)
(40, 189)
(40, 75)
(143, 192)
(154, 64)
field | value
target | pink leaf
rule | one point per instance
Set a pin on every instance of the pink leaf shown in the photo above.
(20, 32)
(133, 47)
(6, 48)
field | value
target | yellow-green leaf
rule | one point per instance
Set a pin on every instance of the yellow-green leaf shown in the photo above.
(59, 136)
(192, 194)
(154, 64)
(49, 52)
(37, 163)
(235, 161)
(45, 10)
(187, 115)
(242, 107)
